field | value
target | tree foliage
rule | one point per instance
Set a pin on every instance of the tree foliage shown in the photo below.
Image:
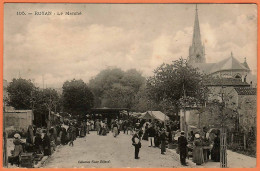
(171, 81)
(47, 100)
(24, 95)
(116, 88)
(20, 93)
(77, 97)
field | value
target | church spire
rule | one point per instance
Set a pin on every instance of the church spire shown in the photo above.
(196, 51)
(196, 30)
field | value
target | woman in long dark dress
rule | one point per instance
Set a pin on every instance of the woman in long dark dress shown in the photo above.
(157, 140)
(38, 143)
(46, 142)
(72, 135)
(82, 130)
(63, 136)
(197, 151)
(145, 137)
(215, 152)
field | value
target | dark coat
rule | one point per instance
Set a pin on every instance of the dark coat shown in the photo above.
(63, 136)
(46, 142)
(216, 150)
(163, 136)
(38, 141)
(182, 143)
(151, 132)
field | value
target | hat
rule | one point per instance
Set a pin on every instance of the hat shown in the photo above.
(197, 135)
(17, 136)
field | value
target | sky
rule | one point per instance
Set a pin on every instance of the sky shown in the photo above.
(52, 49)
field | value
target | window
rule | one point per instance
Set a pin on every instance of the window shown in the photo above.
(238, 76)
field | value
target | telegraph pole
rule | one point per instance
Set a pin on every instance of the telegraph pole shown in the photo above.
(223, 134)
(184, 113)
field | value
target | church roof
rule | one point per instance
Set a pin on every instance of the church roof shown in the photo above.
(245, 90)
(226, 82)
(245, 64)
(230, 63)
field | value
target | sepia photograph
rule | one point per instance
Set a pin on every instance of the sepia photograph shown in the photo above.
(129, 85)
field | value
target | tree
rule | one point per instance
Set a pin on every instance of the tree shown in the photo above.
(44, 101)
(116, 88)
(172, 82)
(77, 97)
(20, 93)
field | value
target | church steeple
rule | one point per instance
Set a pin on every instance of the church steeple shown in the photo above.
(196, 51)
(196, 40)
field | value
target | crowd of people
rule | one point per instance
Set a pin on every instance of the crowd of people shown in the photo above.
(201, 146)
(157, 133)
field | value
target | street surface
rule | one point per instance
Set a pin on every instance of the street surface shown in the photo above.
(94, 151)
(119, 153)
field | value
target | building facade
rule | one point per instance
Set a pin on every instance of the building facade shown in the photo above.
(226, 68)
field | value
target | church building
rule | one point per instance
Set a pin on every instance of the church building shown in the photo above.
(226, 68)
(232, 82)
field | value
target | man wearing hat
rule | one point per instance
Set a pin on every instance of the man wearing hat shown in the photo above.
(136, 142)
(163, 138)
(182, 144)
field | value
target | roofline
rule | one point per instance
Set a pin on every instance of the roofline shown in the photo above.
(231, 85)
(229, 70)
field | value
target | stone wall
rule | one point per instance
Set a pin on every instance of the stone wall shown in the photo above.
(18, 119)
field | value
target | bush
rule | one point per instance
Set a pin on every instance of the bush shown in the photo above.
(235, 147)
(250, 151)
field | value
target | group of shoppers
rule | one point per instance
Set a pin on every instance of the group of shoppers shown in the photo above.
(201, 150)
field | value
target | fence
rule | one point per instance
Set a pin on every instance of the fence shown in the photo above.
(241, 141)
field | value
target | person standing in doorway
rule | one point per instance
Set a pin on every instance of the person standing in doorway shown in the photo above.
(182, 145)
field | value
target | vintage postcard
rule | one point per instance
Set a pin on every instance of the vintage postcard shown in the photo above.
(129, 85)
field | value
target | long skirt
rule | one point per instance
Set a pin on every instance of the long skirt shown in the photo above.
(198, 155)
(157, 141)
(104, 131)
(82, 133)
(115, 131)
(63, 139)
(163, 146)
(145, 137)
(47, 151)
(215, 154)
